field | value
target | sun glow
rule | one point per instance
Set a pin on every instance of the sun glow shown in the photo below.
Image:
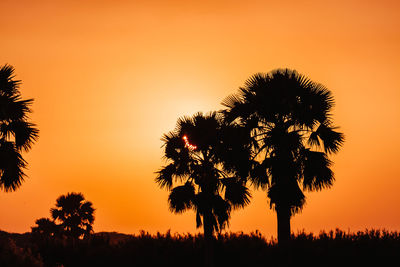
(187, 144)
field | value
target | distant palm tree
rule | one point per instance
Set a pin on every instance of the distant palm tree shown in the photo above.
(16, 133)
(74, 214)
(292, 136)
(207, 170)
(45, 227)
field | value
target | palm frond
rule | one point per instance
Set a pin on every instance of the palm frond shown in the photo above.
(86, 211)
(254, 81)
(181, 198)
(304, 81)
(231, 101)
(8, 85)
(70, 202)
(164, 176)
(184, 123)
(317, 174)
(235, 105)
(11, 166)
(173, 144)
(313, 140)
(13, 108)
(325, 99)
(259, 175)
(236, 192)
(25, 133)
(314, 102)
(331, 139)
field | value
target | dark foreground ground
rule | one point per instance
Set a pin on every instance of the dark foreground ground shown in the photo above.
(336, 248)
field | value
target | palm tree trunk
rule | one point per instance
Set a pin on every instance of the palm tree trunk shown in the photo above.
(208, 240)
(283, 216)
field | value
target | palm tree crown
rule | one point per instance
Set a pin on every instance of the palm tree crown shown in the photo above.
(292, 132)
(207, 169)
(16, 133)
(74, 214)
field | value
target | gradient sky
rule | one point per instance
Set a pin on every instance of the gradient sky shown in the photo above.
(110, 77)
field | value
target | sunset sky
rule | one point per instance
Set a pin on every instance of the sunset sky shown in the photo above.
(109, 78)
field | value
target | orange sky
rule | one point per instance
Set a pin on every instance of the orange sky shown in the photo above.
(110, 77)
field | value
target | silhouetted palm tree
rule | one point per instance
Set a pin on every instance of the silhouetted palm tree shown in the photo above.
(292, 136)
(74, 214)
(16, 133)
(46, 227)
(207, 170)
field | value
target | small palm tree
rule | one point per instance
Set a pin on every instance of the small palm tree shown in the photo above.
(207, 170)
(74, 214)
(292, 133)
(45, 227)
(16, 133)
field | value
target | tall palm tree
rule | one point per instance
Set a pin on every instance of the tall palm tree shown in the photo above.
(207, 170)
(16, 133)
(75, 215)
(292, 133)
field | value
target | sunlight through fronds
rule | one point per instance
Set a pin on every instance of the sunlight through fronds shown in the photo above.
(187, 144)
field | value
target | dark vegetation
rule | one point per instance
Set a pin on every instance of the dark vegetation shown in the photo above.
(17, 134)
(276, 133)
(71, 218)
(210, 176)
(234, 249)
(293, 135)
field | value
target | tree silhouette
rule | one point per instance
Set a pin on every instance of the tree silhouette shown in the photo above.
(207, 171)
(45, 227)
(16, 133)
(74, 214)
(293, 134)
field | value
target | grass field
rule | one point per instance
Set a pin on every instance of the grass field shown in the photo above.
(334, 248)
